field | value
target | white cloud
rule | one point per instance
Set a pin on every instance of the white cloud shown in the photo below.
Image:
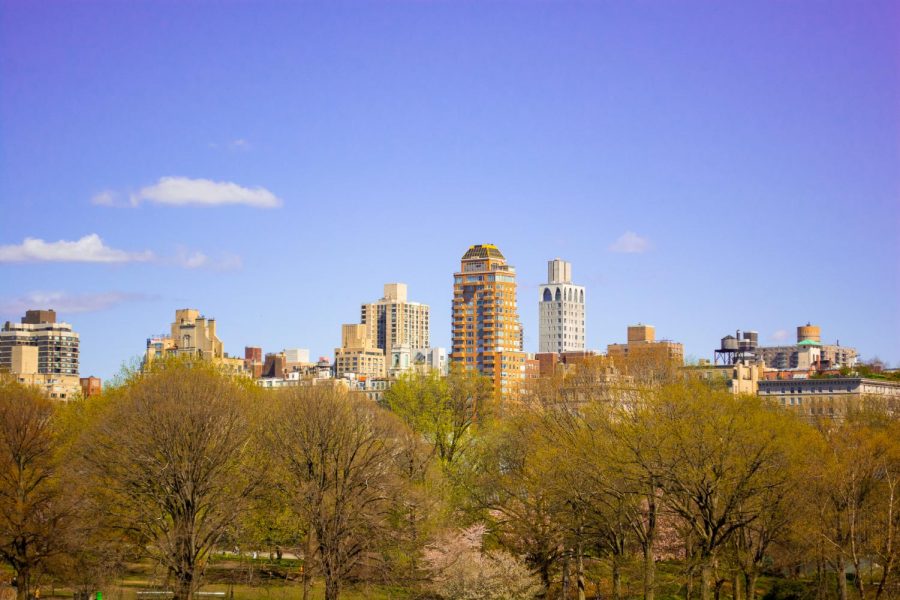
(105, 198)
(236, 144)
(184, 191)
(191, 260)
(630, 243)
(89, 249)
(194, 259)
(63, 302)
(780, 335)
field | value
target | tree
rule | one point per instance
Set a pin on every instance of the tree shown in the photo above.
(422, 510)
(342, 456)
(595, 507)
(609, 442)
(855, 493)
(35, 513)
(445, 410)
(632, 449)
(724, 456)
(887, 518)
(460, 569)
(780, 495)
(510, 485)
(173, 450)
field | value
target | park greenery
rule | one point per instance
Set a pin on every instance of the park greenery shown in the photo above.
(587, 486)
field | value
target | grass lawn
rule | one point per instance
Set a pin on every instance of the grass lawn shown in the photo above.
(246, 580)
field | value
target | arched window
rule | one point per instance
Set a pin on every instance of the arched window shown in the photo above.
(570, 294)
(547, 295)
(582, 297)
(558, 296)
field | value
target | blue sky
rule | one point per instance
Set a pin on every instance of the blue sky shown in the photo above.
(751, 151)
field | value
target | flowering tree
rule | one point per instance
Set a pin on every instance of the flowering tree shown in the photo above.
(461, 570)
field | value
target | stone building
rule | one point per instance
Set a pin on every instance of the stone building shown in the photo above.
(643, 345)
(358, 355)
(561, 310)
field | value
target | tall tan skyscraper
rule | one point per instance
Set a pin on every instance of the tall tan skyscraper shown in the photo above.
(394, 321)
(486, 329)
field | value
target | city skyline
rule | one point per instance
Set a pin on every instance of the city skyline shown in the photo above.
(703, 168)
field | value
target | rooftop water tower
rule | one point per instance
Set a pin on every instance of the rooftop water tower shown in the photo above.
(737, 348)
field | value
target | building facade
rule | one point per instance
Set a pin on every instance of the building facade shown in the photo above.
(91, 386)
(486, 333)
(253, 361)
(358, 355)
(24, 368)
(190, 334)
(431, 359)
(739, 378)
(404, 359)
(296, 356)
(830, 396)
(561, 310)
(642, 344)
(550, 363)
(395, 321)
(809, 352)
(57, 345)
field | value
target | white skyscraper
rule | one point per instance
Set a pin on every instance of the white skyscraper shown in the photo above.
(561, 310)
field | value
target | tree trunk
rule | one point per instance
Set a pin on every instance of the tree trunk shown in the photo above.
(717, 591)
(841, 578)
(885, 573)
(565, 580)
(649, 572)
(750, 586)
(579, 570)
(307, 565)
(859, 585)
(184, 589)
(736, 586)
(821, 576)
(544, 572)
(23, 584)
(889, 542)
(616, 580)
(857, 572)
(332, 587)
(706, 574)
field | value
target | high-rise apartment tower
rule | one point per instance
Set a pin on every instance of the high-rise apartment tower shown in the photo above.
(43, 353)
(357, 354)
(561, 310)
(486, 330)
(394, 321)
(56, 343)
